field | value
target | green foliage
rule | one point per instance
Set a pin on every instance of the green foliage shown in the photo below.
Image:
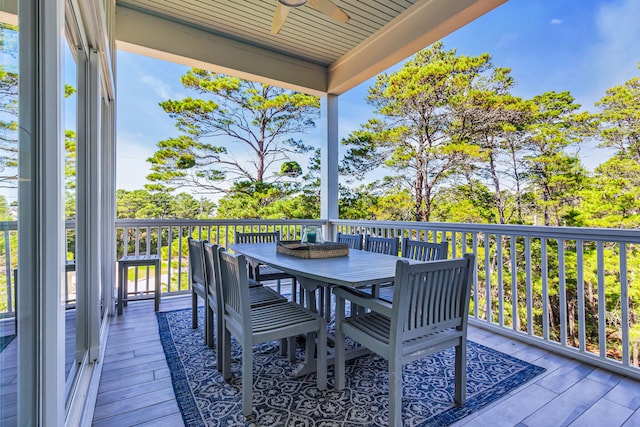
(265, 200)
(236, 131)
(291, 169)
(433, 112)
(466, 204)
(144, 204)
(8, 114)
(619, 119)
(555, 174)
(375, 201)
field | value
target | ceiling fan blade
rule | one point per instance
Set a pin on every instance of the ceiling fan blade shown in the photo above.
(329, 8)
(278, 18)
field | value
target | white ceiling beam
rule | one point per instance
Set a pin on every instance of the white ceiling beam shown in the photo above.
(419, 26)
(144, 34)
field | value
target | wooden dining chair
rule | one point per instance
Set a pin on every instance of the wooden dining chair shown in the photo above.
(424, 251)
(353, 240)
(262, 272)
(419, 251)
(258, 296)
(429, 314)
(197, 279)
(381, 245)
(255, 325)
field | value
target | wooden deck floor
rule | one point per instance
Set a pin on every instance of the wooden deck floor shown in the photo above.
(135, 389)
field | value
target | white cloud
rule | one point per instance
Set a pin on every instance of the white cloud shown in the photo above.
(556, 21)
(161, 88)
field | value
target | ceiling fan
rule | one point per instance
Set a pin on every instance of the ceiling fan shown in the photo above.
(325, 6)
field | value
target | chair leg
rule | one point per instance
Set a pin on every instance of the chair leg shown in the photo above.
(158, 289)
(209, 326)
(220, 336)
(339, 350)
(460, 395)
(247, 378)
(327, 304)
(194, 310)
(291, 351)
(226, 356)
(321, 357)
(395, 393)
(294, 290)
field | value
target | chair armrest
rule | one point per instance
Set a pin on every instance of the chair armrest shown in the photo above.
(364, 300)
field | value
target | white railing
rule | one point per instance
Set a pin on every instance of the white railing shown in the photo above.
(571, 290)
(169, 238)
(9, 266)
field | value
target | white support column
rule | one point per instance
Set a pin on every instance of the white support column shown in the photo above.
(94, 199)
(82, 266)
(41, 383)
(109, 207)
(329, 160)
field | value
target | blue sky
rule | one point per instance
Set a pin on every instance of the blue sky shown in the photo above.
(584, 46)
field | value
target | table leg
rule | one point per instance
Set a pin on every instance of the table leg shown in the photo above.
(309, 364)
(120, 289)
(158, 290)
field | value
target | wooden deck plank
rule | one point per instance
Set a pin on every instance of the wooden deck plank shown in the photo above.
(569, 393)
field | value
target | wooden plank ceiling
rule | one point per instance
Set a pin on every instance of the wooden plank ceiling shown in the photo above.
(307, 33)
(311, 37)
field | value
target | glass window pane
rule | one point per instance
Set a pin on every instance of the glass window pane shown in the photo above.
(8, 212)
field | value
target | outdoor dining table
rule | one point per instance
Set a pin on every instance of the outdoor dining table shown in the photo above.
(358, 269)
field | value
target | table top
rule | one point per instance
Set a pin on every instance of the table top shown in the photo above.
(359, 268)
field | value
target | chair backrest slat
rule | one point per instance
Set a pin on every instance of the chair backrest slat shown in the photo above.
(212, 269)
(235, 287)
(424, 251)
(353, 240)
(381, 245)
(196, 261)
(431, 297)
(262, 237)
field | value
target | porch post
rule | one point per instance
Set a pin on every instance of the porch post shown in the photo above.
(329, 160)
(41, 328)
(89, 192)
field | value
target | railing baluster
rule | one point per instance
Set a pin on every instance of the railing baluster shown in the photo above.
(475, 275)
(563, 293)
(602, 331)
(545, 285)
(136, 269)
(180, 232)
(169, 253)
(624, 304)
(8, 270)
(529, 290)
(582, 334)
(500, 267)
(515, 322)
(487, 276)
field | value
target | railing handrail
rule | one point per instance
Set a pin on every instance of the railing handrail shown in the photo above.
(131, 223)
(551, 232)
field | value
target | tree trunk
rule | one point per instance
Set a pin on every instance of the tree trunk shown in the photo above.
(496, 186)
(572, 327)
(516, 176)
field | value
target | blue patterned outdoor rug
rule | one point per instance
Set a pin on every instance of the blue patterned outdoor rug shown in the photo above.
(205, 399)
